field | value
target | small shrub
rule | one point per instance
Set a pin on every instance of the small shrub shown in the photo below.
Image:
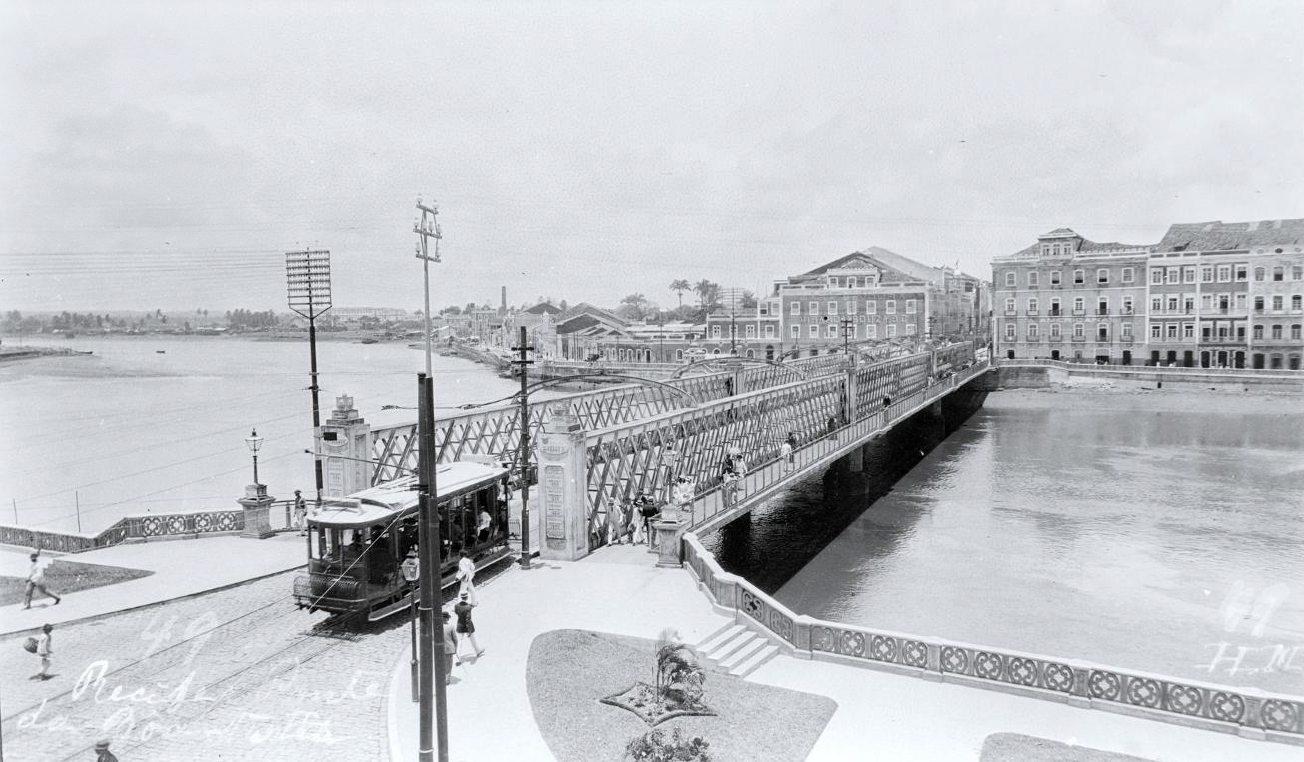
(655, 747)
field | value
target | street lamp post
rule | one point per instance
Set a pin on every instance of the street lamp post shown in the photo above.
(308, 283)
(411, 568)
(254, 442)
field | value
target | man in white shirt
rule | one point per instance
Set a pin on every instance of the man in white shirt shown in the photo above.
(36, 581)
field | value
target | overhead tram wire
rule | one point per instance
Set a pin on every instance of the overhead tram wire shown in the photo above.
(105, 506)
(163, 467)
(210, 454)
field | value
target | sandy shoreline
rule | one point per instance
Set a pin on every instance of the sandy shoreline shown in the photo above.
(1222, 400)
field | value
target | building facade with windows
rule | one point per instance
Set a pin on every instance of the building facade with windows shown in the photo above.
(871, 296)
(1068, 298)
(1228, 295)
(1210, 294)
(754, 332)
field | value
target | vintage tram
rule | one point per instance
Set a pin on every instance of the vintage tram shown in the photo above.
(356, 544)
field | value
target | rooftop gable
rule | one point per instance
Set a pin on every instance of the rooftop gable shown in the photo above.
(903, 267)
(1231, 236)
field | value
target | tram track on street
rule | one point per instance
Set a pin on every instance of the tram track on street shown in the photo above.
(174, 688)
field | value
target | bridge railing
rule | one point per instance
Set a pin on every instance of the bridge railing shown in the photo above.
(495, 430)
(1249, 712)
(648, 454)
(772, 471)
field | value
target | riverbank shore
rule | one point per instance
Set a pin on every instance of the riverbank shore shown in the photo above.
(1151, 399)
(12, 354)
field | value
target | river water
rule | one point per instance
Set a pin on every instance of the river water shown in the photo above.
(157, 423)
(1155, 531)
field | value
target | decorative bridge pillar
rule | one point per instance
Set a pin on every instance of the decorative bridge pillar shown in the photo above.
(562, 486)
(257, 505)
(344, 445)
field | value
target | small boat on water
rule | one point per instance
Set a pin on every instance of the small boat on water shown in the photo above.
(367, 341)
(160, 351)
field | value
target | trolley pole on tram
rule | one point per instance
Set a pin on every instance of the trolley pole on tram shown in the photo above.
(432, 666)
(522, 365)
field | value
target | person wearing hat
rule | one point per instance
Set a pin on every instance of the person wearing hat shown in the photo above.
(102, 753)
(300, 513)
(464, 624)
(36, 581)
(450, 647)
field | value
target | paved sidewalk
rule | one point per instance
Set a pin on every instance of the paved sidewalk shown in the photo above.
(880, 715)
(181, 568)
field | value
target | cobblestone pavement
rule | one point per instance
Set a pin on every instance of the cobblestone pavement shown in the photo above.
(234, 674)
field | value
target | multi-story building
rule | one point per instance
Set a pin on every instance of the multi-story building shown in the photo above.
(1210, 293)
(748, 332)
(874, 295)
(1065, 297)
(1228, 295)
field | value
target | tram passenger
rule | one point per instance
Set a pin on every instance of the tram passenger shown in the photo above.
(482, 526)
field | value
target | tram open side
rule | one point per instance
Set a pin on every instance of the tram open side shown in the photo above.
(356, 544)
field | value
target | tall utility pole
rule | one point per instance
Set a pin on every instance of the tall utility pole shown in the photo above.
(427, 227)
(432, 665)
(522, 365)
(308, 280)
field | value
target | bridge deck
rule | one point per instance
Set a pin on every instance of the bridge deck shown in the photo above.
(714, 508)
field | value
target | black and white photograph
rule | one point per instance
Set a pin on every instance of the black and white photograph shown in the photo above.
(579, 381)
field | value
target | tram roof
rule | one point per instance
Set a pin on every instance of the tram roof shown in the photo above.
(378, 504)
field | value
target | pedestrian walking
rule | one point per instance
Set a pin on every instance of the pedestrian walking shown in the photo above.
(466, 576)
(833, 428)
(102, 753)
(300, 513)
(786, 452)
(464, 624)
(617, 523)
(450, 647)
(45, 650)
(36, 581)
(629, 521)
(648, 511)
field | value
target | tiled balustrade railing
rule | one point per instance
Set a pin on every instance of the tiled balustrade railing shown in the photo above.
(1247, 712)
(141, 527)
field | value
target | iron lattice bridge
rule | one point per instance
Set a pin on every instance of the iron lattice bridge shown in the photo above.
(643, 438)
(495, 430)
(828, 416)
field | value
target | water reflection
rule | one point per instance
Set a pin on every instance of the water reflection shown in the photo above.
(1107, 527)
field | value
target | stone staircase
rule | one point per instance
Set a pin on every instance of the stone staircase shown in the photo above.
(736, 650)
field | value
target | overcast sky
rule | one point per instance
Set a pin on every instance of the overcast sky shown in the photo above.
(166, 155)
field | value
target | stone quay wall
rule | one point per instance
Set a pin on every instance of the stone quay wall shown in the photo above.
(1247, 712)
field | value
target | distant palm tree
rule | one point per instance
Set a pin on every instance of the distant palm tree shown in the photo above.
(679, 287)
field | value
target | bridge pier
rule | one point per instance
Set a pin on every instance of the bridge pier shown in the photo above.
(855, 460)
(344, 444)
